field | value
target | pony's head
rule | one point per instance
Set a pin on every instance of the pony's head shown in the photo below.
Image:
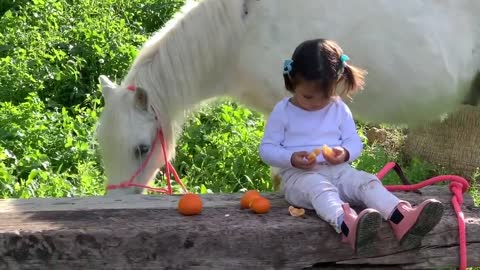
(126, 133)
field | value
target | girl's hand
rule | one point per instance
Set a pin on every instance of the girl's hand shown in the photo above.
(299, 160)
(339, 155)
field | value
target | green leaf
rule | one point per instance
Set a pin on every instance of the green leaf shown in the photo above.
(203, 189)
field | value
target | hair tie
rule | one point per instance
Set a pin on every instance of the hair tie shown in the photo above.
(343, 63)
(344, 58)
(287, 66)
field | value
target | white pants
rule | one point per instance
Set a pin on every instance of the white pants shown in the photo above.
(326, 187)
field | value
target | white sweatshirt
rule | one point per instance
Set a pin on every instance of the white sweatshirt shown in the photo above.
(292, 129)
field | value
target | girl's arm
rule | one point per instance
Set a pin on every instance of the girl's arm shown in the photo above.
(271, 151)
(350, 139)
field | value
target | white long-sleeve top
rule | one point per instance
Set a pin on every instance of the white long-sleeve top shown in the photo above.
(292, 129)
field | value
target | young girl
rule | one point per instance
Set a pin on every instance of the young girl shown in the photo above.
(315, 115)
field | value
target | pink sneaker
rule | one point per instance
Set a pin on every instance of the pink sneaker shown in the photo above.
(360, 230)
(411, 224)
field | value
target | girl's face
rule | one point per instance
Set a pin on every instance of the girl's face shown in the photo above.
(309, 96)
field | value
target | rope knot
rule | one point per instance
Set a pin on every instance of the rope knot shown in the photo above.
(457, 189)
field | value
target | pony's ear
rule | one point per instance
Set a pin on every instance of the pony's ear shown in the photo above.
(141, 99)
(107, 86)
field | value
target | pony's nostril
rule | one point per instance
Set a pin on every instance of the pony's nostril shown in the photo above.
(141, 150)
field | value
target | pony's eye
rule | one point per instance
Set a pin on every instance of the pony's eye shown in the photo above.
(141, 150)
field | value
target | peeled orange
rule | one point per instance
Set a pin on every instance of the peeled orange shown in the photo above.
(260, 205)
(190, 204)
(327, 151)
(313, 155)
(247, 198)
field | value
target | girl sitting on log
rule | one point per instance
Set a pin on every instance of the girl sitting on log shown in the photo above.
(316, 115)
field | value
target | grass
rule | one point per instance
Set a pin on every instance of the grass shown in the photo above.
(475, 188)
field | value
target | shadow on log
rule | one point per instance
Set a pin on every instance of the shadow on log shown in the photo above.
(146, 232)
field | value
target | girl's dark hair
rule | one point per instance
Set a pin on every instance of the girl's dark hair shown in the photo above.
(319, 60)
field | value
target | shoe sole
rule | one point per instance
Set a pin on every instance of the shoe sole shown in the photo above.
(427, 220)
(368, 226)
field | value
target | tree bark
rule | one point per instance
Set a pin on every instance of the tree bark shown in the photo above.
(146, 232)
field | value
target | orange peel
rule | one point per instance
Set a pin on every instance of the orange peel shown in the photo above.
(296, 212)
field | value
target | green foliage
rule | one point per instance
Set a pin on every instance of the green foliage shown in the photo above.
(374, 157)
(48, 153)
(218, 150)
(58, 48)
(10, 4)
(51, 54)
(475, 187)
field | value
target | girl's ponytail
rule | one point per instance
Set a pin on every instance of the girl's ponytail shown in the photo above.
(353, 79)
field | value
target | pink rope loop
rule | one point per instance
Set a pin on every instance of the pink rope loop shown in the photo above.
(111, 187)
(177, 178)
(389, 166)
(169, 169)
(124, 185)
(117, 186)
(167, 163)
(154, 189)
(458, 186)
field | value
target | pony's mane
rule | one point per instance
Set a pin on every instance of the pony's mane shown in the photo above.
(184, 56)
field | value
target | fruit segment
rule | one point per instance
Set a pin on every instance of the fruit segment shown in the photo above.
(313, 155)
(327, 151)
(296, 212)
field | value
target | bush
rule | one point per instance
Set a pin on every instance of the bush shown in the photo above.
(218, 150)
(51, 54)
(58, 48)
(48, 153)
(10, 4)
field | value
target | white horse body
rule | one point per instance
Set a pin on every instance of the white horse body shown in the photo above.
(421, 57)
(418, 53)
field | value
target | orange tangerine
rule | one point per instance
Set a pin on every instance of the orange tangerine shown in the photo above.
(190, 204)
(260, 205)
(247, 198)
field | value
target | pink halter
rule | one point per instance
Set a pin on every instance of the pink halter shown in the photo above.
(169, 169)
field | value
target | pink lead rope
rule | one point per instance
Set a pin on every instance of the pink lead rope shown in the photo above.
(458, 186)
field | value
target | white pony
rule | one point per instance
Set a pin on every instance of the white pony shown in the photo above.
(422, 57)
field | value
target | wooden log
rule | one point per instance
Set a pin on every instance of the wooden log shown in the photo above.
(146, 232)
